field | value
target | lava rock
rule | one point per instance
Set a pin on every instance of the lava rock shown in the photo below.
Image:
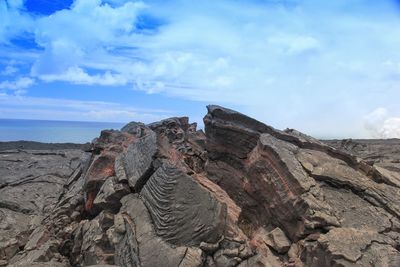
(166, 194)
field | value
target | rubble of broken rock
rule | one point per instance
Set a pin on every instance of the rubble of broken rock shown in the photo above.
(241, 193)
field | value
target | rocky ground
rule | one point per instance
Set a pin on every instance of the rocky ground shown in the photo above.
(380, 153)
(30, 145)
(241, 193)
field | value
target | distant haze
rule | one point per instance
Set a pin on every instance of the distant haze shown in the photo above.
(52, 131)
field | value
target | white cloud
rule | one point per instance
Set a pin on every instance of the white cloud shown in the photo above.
(13, 22)
(391, 128)
(272, 49)
(19, 84)
(89, 29)
(79, 76)
(381, 125)
(67, 109)
(181, 59)
(9, 70)
(293, 45)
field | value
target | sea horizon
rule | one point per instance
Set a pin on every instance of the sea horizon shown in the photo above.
(53, 131)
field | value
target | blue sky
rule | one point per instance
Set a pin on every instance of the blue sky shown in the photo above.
(328, 68)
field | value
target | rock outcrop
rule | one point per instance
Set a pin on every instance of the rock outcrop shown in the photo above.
(241, 193)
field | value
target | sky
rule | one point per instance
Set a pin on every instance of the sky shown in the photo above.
(328, 68)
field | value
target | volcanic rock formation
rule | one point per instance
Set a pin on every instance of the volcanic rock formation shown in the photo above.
(165, 194)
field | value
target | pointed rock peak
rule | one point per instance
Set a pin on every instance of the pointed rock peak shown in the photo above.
(227, 115)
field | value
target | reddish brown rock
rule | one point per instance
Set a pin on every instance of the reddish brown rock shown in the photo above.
(239, 194)
(287, 177)
(277, 240)
(106, 148)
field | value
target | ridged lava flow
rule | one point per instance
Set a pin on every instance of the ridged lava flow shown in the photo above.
(166, 194)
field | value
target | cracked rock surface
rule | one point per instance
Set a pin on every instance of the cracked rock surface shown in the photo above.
(239, 193)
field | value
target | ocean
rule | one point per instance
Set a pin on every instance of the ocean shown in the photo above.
(53, 131)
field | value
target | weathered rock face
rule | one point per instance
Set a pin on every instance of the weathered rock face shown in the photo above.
(33, 185)
(306, 188)
(165, 194)
(384, 155)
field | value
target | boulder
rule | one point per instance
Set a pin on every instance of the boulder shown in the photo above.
(140, 245)
(183, 212)
(138, 160)
(277, 240)
(109, 195)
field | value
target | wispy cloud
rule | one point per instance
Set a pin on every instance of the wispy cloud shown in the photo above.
(66, 109)
(381, 125)
(14, 21)
(89, 29)
(9, 70)
(17, 85)
(79, 76)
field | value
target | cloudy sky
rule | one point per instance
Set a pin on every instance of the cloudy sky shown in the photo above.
(328, 68)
